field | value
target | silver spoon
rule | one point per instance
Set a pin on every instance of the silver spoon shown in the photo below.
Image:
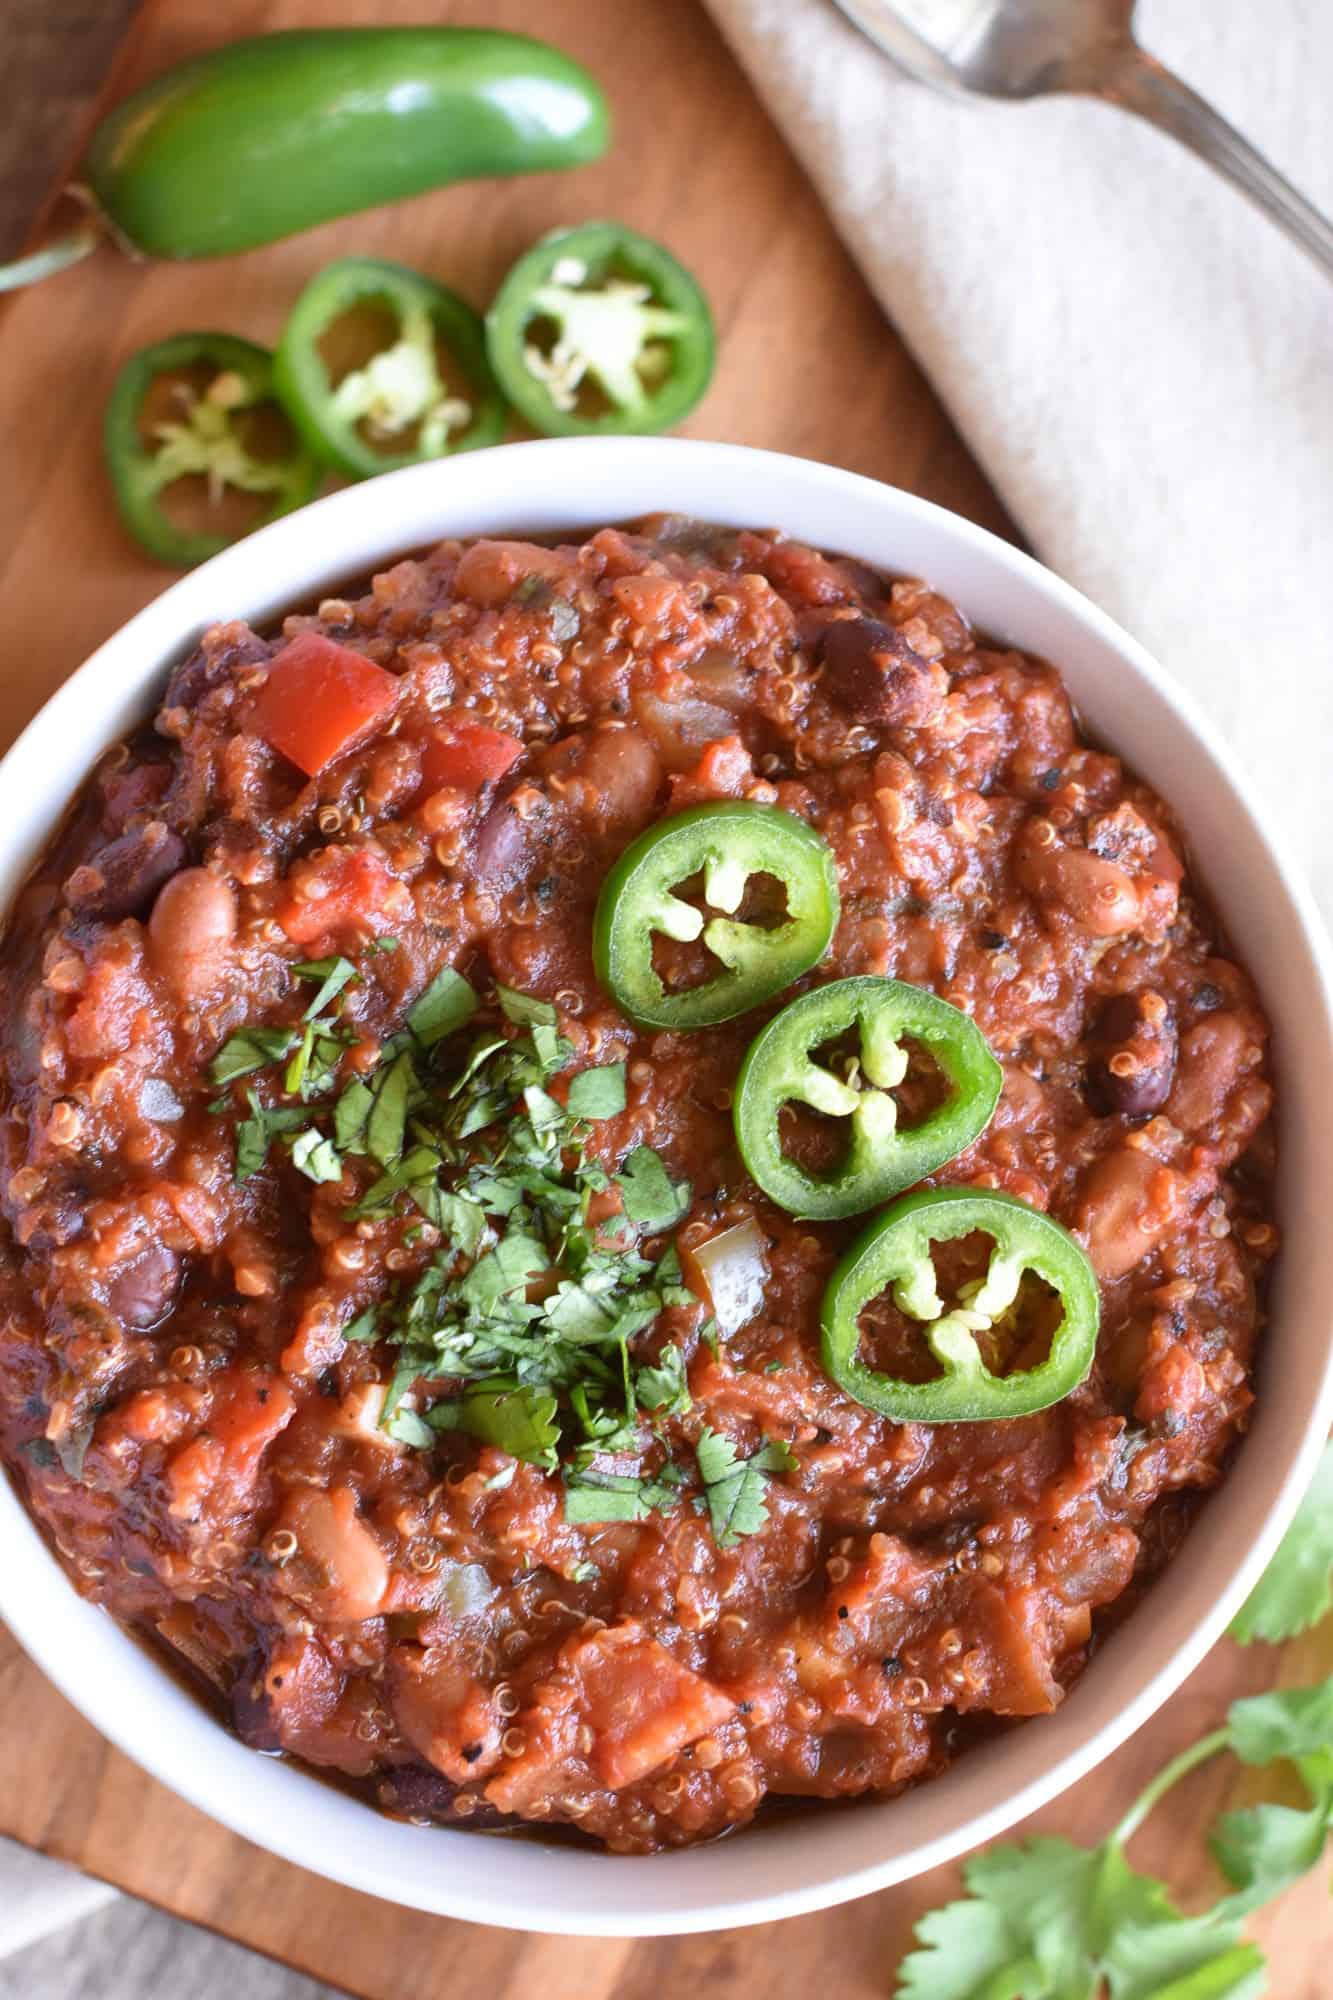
(1033, 48)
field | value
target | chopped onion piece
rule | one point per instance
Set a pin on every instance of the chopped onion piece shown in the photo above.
(680, 729)
(158, 1101)
(465, 1588)
(734, 1270)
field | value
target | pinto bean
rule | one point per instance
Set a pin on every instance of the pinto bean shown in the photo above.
(872, 673)
(124, 876)
(1212, 1061)
(1128, 1205)
(192, 925)
(1132, 1056)
(612, 773)
(1097, 895)
(338, 1550)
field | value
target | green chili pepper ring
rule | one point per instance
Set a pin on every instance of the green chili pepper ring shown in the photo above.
(396, 389)
(728, 842)
(619, 303)
(881, 1159)
(202, 439)
(895, 1251)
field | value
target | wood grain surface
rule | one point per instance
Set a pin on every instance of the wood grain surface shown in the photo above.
(808, 365)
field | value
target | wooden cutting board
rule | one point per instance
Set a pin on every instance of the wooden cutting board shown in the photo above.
(808, 365)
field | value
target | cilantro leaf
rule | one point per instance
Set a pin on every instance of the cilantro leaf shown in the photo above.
(250, 1049)
(350, 1113)
(387, 1121)
(598, 1093)
(662, 1387)
(651, 1197)
(410, 1429)
(1263, 1849)
(524, 1009)
(733, 1488)
(448, 1003)
(1294, 1592)
(332, 973)
(254, 1133)
(513, 1418)
(594, 1496)
(365, 1327)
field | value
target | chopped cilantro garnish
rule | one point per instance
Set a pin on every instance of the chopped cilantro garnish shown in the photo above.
(662, 1388)
(383, 944)
(410, 1429)
(527, 1304)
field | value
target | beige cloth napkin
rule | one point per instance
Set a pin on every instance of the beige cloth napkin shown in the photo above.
(1139, 360)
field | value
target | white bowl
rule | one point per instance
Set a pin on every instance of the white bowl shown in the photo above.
(1126, 701)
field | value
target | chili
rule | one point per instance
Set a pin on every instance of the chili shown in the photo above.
(882, 1157)
(266, 137)
(401, 405)
(600, 330)
(895, 1253)
(195, 406)
(727, 843)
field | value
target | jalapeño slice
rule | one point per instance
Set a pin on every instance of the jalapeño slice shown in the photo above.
(894, 1252)
(727, 844)
(882, 1156)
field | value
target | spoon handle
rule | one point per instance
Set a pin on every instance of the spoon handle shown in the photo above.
(1136, 82)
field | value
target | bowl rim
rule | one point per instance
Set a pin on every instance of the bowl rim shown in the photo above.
(679, 1892)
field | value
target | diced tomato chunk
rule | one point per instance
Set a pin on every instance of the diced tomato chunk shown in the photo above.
(340, 889)
(318, 698)
(724, 771)
(468, 754)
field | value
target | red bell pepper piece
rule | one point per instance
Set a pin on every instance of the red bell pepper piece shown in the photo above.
(318, 698)
(467, 754)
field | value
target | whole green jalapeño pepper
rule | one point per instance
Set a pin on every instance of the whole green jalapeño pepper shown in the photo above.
(397, 407)
(197, 407)
(895, 1252)
(882, 1157)
(266, 137)
(600, 331)
(726, 844)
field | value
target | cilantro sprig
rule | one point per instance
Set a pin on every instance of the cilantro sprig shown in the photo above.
(1048, 1920)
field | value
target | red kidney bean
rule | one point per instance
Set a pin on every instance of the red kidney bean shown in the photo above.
(124, 876)
(872, 673)
(144, 1292)
(1132, 1055)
